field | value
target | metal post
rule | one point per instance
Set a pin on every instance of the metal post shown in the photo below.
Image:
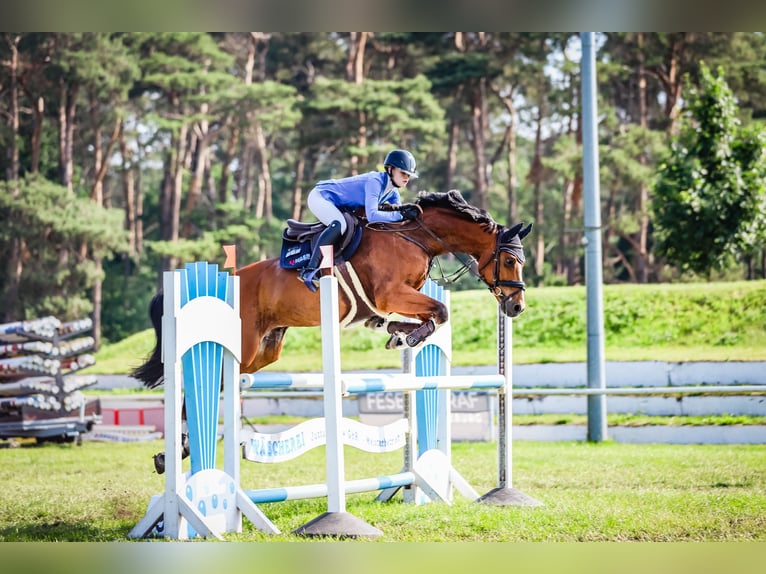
(592, 241)
(505, 494)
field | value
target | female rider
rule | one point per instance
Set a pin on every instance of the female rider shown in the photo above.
(376, 191)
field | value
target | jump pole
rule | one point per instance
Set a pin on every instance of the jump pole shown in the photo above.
(336, 521)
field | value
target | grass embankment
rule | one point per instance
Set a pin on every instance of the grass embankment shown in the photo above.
(668, 322)
(590, 492)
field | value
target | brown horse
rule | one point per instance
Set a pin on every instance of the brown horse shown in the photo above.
(384, 277)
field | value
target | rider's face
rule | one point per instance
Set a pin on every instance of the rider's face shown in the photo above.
(400, 178)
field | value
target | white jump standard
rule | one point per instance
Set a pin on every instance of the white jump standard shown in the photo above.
(201, 333)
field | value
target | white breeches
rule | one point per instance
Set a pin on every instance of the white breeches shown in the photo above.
(325, 210)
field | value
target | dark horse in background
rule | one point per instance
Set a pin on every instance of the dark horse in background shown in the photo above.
(383, 277)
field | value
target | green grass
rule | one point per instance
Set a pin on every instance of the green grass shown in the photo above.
(591, 492)
(667, 322)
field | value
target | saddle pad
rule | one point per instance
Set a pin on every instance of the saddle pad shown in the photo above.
(295, 254)
(298, 241)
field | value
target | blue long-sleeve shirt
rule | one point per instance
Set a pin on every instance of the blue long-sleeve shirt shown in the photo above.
(368, 190)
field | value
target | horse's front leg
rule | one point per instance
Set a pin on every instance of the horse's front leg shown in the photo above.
(399, 331)
(376, 323)
(430, 312)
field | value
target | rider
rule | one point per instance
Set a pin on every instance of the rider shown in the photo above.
(376, 191)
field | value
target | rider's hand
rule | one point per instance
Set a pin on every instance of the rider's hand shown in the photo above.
(410, 211)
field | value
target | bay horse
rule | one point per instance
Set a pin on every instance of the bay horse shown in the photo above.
(385, 274)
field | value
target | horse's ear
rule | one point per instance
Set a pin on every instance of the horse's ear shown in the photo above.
(513, 230)
(524, 232)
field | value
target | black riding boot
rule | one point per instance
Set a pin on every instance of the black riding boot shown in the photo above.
(327, 237)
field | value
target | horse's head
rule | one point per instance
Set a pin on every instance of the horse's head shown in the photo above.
(459, 227)
(503, 271)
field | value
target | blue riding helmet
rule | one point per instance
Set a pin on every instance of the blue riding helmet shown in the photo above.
(402, 159)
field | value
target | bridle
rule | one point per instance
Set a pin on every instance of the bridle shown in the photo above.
(497, 283)
(472, 265)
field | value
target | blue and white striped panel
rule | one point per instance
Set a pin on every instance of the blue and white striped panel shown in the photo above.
(428, 362)
(202, 368)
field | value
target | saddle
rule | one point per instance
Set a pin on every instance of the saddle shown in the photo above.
(299, 238)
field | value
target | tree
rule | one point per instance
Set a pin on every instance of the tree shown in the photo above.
(710, 200)
(50, 221)
(188, 72)
(403, 111)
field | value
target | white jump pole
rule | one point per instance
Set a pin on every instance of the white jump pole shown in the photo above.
(336, 521)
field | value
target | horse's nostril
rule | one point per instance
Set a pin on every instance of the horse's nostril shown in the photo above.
(518, 308)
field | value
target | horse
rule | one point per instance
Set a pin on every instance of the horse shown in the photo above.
(381, 278)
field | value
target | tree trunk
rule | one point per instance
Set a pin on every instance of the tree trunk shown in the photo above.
(97, 195)
(62, 131)
(223, 183)
(194, 194)
(297, 197)
(641, 264)
(14, 264)
(513, 202)
(37, 131)
(69, 115)
(355, 75)
(259, 150)
(245, 179)
(97, 190)
(562, 264)
(478, 121)
(670, 76)
(453, 140)
(129, 195)
(202, 133)
(139, 208)
(172, 191)
(536, 173)
(264, 204)
(179, 167)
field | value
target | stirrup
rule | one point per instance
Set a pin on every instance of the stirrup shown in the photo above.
(309, 277)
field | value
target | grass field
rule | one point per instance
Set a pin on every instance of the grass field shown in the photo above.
(591, 492)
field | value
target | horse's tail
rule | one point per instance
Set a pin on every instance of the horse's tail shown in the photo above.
(152, 371)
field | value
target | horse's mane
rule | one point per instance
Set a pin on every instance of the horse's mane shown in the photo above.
(454, 200)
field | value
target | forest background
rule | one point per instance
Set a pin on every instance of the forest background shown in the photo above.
(126, 154)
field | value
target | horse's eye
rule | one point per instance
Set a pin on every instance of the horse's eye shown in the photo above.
(510, 261)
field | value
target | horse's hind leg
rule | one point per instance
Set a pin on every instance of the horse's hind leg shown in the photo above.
(269, 350)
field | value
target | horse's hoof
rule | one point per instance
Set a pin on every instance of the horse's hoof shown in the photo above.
(395, 343)
(159, 462)
(376, 323)
(185, 450)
